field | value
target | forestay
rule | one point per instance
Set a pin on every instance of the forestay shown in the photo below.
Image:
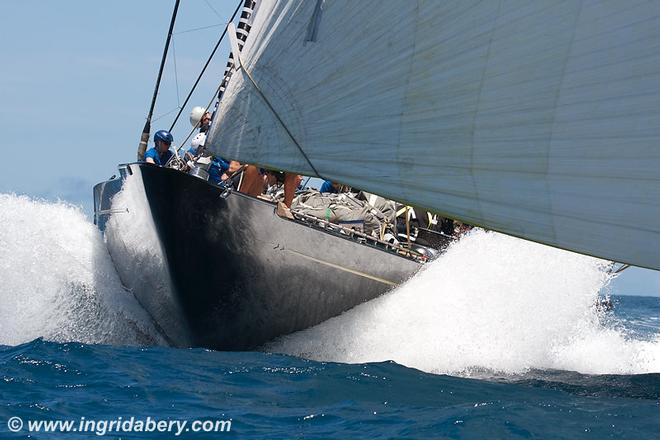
(536, 119)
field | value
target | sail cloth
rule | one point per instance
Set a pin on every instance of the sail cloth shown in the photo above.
(537, 119)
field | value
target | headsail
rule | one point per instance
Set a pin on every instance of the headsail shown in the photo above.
(539, 120)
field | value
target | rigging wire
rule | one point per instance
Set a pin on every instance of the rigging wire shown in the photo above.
(176, 75)
(208, 61)
(200, 28)
(212, 8)
(156, 118)
(144, 139)
(277, 116)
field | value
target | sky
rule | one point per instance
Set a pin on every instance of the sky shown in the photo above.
(77, 79)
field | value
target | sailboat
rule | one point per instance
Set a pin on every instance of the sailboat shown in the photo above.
(538, 120)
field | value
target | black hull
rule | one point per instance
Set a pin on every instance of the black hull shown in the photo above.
(228, 273)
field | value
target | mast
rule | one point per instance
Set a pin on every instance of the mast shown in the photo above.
(144, 139)
(242, 32)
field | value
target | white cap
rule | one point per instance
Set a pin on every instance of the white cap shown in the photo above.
(196, 115)
(198, 140)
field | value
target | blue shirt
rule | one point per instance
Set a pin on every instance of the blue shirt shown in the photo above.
(160, 160)
(218, 166)
(327, 187)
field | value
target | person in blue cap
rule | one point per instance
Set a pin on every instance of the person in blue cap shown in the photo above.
(160, 154)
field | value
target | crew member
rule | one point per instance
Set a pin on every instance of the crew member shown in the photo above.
(218, 165)
(291, 183)
(196, 146)
(199, 117)
(330, 187)
(218, 168)
(160, 154)
(255, 180)
(205, 122)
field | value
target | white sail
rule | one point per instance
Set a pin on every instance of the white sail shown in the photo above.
(536, 119)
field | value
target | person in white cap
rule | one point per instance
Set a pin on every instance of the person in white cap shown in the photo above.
(205, 124)
(196, 115)
(199, 117)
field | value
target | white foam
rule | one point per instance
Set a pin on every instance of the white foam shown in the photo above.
(492, 302)
(57, 280)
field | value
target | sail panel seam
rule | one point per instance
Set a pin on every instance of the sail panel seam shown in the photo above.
(477, 196)
(560, 87)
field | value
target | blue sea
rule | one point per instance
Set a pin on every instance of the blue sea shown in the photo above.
(499, 338)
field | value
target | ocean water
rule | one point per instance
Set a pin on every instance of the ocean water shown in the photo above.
(499, 338)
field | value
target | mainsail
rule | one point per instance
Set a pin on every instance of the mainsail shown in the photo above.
(537, 119)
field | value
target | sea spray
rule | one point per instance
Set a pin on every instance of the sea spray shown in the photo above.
(58, 281)
(492, 303)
